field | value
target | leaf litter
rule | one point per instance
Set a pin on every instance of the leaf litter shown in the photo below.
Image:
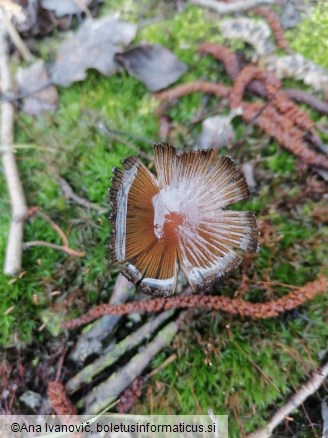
(93, 46)
(33, 78)
(154, 65)
(65, 7)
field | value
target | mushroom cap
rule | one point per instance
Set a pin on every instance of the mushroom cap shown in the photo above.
(179, 219)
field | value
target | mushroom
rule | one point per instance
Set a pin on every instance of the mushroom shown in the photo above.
(178, 219)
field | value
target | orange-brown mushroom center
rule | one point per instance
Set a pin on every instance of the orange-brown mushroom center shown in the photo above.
(171, 226)
(170, 215)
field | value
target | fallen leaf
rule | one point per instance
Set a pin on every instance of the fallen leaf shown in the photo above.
(93, 46)
(154, 65)
(217, 132)
(30, 80)
(65, 7)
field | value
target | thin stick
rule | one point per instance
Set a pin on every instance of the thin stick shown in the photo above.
(17, 40)
(13, 98)
(55, 227)
(229, 8)
(118, 137)
(65, 249)
(274, 283)
(13, 257)
(107, 130)
(60, 364)
(70, 194)
(310, 387)
(324, 412)
(163, 365)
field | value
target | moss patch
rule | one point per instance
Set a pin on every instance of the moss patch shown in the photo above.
(311, 37)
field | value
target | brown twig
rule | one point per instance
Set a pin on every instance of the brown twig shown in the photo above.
(292, 112)
(303, 97)
(192, 87)
(53, 225)
(13, 258)
(229, 8)
(232, 306)
(274, 283)
(71, 195)
(60, 364)
(223, 54)
(263, 115)
(310, 387)
(65, 249)
(273, 91)
(278, 126)
(274, 24)
(130, 396)
(61, 404)
(230, 60)
(246, 76)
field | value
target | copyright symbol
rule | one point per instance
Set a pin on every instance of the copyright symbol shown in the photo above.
(15, 427)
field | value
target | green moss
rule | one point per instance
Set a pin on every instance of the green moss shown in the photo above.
(222, 370)
(311, 37)
(183, 32)
(76, 150)
(281, 161)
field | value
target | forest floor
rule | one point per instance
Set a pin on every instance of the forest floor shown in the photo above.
(234, 366)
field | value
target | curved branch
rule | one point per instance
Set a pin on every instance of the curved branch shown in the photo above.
(71, 195)
(54, 226)
(65, 249)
